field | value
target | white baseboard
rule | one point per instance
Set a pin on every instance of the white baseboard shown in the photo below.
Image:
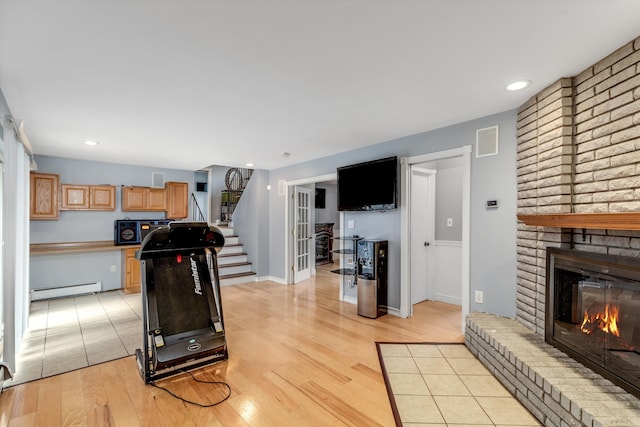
(65, 291)
(279, 280)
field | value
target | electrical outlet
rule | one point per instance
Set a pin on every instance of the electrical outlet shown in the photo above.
(479, 297)
(114, 268)
(449, 222)
(349, 282)
(351, 223)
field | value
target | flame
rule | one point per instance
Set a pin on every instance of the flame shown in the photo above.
(606, 321)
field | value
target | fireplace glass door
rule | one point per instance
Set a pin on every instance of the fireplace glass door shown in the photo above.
(596, 316)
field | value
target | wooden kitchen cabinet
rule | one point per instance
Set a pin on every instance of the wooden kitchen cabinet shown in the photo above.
(134, 198)
(177, 200)
(144, 199)
(88, 197)
(102, 197)
(44, 196)
(74, 197)
(157, 199)
(132, 278)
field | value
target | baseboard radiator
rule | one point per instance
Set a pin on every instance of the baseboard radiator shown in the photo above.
(65, 291)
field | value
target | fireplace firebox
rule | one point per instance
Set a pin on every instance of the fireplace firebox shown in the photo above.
(593, 312)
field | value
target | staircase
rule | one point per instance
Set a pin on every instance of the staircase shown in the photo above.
(233, 266)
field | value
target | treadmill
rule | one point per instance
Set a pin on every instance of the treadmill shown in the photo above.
(183, 325)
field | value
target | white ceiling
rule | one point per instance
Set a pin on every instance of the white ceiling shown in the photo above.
(187, 84)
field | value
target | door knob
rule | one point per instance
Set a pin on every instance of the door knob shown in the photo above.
(426, 243)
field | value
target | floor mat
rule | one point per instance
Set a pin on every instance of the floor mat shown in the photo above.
(440, 384)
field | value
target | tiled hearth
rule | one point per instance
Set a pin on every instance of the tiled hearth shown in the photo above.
(557, 390)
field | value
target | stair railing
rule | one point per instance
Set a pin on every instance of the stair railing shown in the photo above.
(195, 211)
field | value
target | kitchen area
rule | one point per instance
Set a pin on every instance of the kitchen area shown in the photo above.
(88, 218)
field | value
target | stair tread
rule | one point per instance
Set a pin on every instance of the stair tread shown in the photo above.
(229, 276)
(230, 255)
(234, 264)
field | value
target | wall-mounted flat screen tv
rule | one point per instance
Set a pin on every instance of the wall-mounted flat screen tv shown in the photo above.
(368, 186)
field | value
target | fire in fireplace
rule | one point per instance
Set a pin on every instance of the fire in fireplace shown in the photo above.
(593, 312)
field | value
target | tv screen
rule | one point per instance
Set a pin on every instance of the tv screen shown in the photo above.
(368, 186)
(321, 194)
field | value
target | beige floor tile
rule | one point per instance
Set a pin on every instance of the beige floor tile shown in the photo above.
(455, 350)
(408, 384)
(400, 365)
(399, 350)
(418, 409)
(446, 385)
(466, 366)
(423, 425)
(421, 350)
(459, 410)
(506, 411)
(431, 365)
(484, 385)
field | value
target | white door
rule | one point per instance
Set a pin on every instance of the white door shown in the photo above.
(302, 234)
(422, 231)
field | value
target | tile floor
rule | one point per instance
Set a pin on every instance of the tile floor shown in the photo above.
(70, 333)
(445, 385)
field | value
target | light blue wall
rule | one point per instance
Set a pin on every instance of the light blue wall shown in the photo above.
(449, 203)
(251, 222)
(49, 271)
(493, 233)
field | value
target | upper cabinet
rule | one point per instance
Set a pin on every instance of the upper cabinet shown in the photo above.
(144, 199)
(74, 197)
(173, 199)
(135, 198)
(102, 197)
(44, 196)
(88, 197)
(177, 200)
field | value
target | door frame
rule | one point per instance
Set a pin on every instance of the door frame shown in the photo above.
(289, 219)
(406, 309)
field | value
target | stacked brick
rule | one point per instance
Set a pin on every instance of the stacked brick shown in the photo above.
(578, 151)
(545, 144)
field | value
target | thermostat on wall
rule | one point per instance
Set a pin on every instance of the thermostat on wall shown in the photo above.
(492, 204)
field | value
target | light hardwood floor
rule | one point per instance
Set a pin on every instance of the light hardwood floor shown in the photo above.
(297, 357)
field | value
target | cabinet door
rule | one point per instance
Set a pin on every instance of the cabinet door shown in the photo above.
(134, 198)
(74, 197)
(133, 279)
(44, 196)
(102, 197)
(177, 200)
(157, 199)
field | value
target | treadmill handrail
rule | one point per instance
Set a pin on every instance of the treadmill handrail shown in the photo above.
(180, 237)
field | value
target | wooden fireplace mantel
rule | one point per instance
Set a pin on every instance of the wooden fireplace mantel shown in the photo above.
(604, 221)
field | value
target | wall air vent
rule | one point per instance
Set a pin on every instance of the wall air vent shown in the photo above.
(157, 180)
(487, 141)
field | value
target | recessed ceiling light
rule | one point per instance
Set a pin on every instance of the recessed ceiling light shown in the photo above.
(249, 165)
(88, 142)
(518, 85)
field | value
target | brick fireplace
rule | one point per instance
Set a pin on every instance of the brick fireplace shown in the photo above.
(578, 153)
(578, 172)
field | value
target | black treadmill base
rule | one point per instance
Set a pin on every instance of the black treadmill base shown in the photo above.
(149, 375)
